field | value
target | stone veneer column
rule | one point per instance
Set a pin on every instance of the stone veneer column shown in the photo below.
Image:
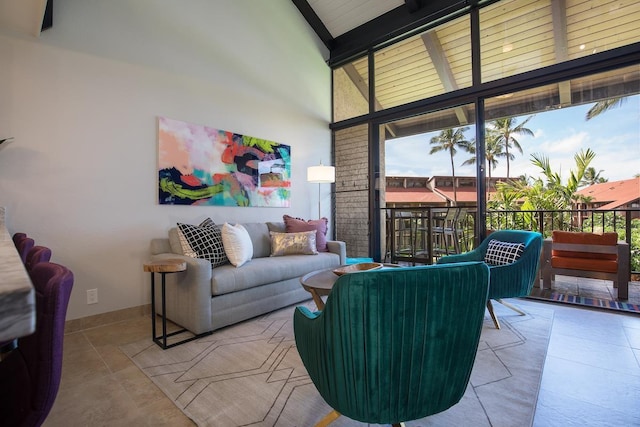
(352, 189)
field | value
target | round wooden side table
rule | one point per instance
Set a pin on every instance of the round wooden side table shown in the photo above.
(164, 267)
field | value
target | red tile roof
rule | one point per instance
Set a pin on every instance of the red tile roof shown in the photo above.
(425, 195)
(462, 194)
(412, 195)
(615, 194)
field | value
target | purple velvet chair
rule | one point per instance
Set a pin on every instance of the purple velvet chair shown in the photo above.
(18, 237)
(36, 255)
(24, 246)
(30, 375)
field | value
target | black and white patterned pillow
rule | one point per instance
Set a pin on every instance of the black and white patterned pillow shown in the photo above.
(185, 246)
(502, 253)
(205, 241)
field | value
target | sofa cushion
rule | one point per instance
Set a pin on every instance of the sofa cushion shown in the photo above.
(303, 243)
(296, 225)
(261, 271)
(278, 227)
(237, 244)
(259, 234)
(609, 239)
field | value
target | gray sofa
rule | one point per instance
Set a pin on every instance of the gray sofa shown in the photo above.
(203, 299)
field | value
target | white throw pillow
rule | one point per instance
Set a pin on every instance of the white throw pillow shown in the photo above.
(237, 244)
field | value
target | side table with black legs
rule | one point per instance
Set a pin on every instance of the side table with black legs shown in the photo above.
(164, 267)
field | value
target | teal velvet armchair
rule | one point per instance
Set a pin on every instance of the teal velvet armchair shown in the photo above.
(511, 280)
(395, 345)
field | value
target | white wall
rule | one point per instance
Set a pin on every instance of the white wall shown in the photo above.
(82, 102)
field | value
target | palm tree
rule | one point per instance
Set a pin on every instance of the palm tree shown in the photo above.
(449, 140)
(592, 177)
(563, 195)
(492, 152)
(506, 129)
(602, 106)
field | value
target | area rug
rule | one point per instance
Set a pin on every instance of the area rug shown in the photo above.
(606, 304)
(250, 374)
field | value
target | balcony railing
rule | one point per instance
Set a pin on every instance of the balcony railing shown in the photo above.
(420, 235)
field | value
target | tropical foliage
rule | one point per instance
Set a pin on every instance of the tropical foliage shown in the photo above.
(592, 177)
(548, 193)
(611, 222)
(602, 106)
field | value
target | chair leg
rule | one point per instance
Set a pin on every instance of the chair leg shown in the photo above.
(328, 419)
(492, 314)
(512, 307)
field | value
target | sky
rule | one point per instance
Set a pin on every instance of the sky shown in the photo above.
(558, 134)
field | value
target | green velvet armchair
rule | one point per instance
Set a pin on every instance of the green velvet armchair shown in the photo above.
(511, 280)
(396, 344)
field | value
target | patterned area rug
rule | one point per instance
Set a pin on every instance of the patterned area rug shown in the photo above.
(250, 374)
(607, 304)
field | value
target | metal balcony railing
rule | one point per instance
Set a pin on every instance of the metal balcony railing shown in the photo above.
(420, 235)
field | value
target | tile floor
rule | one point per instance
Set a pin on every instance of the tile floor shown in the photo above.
(591, 375)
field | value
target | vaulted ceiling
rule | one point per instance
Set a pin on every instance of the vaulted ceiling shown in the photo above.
(349, 27)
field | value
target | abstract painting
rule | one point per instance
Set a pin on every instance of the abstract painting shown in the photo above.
(200, 165)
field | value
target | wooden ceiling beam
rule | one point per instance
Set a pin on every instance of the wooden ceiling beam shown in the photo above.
(315, 22)
(559, 19)
(413, 5)
(440, 62)
(363, 87)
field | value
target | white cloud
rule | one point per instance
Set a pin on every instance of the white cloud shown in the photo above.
(569, 144)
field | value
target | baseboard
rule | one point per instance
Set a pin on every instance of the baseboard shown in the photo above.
(103, 319)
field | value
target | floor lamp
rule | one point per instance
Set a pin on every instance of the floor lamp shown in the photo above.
(321, 175)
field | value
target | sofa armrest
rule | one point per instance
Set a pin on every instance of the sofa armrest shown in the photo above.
(340, 248)
(188, 294)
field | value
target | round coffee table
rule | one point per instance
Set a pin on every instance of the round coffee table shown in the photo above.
(320, 282)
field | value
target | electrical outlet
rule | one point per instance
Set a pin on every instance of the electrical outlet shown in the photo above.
(92, 296)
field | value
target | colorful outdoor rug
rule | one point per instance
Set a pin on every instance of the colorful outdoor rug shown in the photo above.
(549, 295)
(250, 374)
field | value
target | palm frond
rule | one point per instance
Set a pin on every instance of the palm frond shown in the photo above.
(602, 106)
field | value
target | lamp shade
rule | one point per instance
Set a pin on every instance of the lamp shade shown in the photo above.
(321, 174)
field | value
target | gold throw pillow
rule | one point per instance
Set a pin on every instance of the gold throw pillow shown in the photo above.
(303, 243)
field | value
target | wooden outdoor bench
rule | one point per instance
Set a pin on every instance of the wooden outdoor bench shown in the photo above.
(591, 255)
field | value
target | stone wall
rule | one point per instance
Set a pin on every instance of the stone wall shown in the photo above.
(352, 189)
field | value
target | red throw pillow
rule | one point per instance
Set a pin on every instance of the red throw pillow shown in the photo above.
(297, 225)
